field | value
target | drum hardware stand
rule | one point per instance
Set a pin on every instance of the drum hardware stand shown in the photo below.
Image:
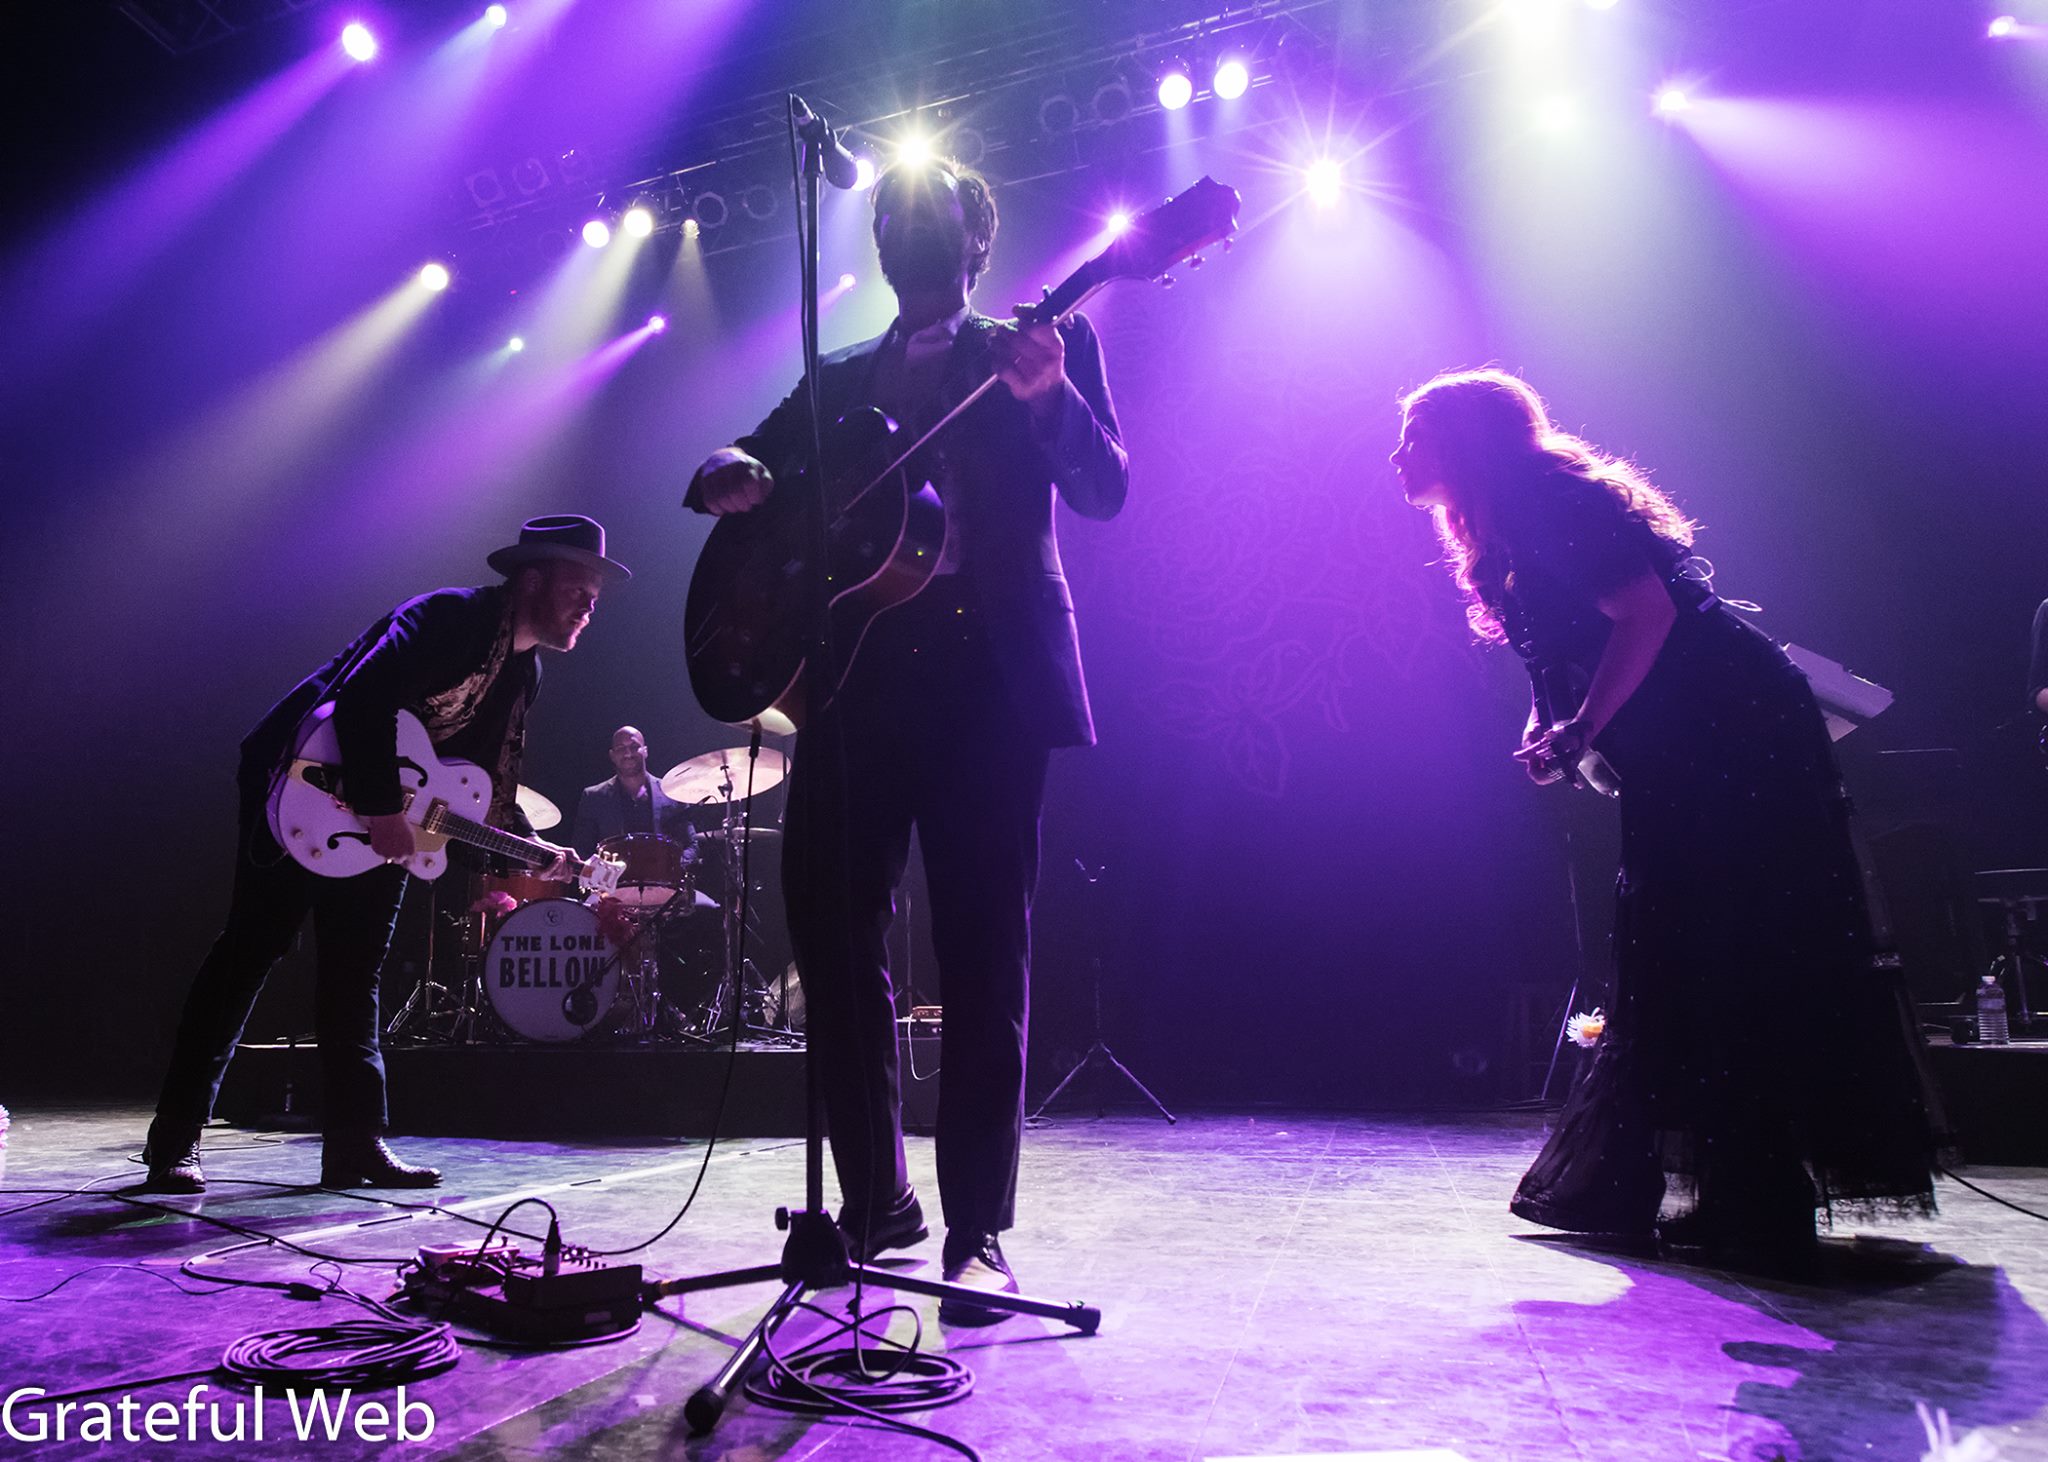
(1099, 1050)
(748, 1015)
(2013, 954)
(428, 993)
(814, 1256)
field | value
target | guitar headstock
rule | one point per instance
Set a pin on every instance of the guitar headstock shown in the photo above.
(1156, 240)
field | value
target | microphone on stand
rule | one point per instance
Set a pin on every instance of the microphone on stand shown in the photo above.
(841, 170)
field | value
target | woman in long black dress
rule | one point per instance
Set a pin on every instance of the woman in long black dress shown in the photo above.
(1755, 1065)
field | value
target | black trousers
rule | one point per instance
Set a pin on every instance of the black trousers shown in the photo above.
(923, 736)
(353, 919)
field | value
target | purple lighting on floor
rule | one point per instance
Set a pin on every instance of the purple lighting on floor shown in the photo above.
(1232, 80)
(1175, 90)
(358, 42)
(597, 233)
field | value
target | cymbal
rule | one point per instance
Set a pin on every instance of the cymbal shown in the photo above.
(542, 813)
(706, 778)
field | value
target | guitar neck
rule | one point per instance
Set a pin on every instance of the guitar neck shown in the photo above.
(483, 835)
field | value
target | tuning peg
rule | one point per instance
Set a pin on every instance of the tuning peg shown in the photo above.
(1194, 261)
(1166, 280)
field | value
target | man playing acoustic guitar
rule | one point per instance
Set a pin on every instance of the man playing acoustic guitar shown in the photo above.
(944, 718)
(464, 661)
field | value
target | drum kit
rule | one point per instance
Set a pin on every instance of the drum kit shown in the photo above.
(639, 964)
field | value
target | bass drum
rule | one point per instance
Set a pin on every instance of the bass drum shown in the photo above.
(550, 972)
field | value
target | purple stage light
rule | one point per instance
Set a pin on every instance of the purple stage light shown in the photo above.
(1232, 80)
(597, 233)
(657, 323)
(1670, 101)
(434, 277)
(2002, 27)
(1559, 113)
(515, 344)
(639, 223)
(1325, 182)
(1119, 223)
(914, 149)
(1175, 90)
(691, 228)
(863, 174)
(496, 16)
(358, 42)
(847, 281)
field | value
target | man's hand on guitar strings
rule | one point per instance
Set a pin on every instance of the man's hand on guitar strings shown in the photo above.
(391, 837)
(1549, 757)
(731, 481)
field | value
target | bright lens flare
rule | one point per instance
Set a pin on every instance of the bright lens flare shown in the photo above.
(1557, 113)
(496, 17)
(358, 42)
(691, 228)
(1325, 182)
(863, 174)
(1670, 101)
(1175, 90)
(913, 150)
(2002, 27)
(1232, 78)
(434, 277)
(639, 223)
(597, 233)
(1600, 4)
(847, 281)
(1119, 223)
(657, 323)
(515, 344)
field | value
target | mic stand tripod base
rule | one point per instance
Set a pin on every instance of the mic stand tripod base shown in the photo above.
(814, 1257)
(1101, 1049)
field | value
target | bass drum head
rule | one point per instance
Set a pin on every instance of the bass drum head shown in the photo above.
(550, 972)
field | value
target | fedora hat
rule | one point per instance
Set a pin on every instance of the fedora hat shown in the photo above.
(560, 535)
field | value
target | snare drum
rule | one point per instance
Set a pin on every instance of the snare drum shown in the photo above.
(550, 973)
(654, 869)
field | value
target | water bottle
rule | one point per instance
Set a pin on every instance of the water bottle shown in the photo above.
(1991, 1027)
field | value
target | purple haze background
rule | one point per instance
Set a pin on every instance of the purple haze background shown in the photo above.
(1813, 308)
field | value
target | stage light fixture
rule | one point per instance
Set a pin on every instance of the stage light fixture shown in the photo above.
(597, 233)
(1112, 101)
(914, 149)
(847, 281)
(1175, 90)
(497, 17)
(2005, 25)
(530, 176)
(358, 42)
(710, 210)
(657, 323)
(1233, 78)
(515, 345)
(638, 222)
(1057, 114)
(434, 277)
(1118, 223)
(967, 146)
(760, 201)
(692, 228)
(863, 174)
(1670, 101)
(1325, 182)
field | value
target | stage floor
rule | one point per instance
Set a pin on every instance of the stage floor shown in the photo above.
(1272, 1286)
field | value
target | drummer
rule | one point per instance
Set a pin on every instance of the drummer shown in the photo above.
(630, 801)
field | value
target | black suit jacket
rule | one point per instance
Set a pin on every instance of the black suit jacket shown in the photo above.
(1008, 474)
(601, 814)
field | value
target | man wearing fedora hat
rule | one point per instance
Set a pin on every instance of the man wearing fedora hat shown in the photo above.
(465, 661)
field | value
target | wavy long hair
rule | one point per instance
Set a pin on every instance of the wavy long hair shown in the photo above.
(1501, 455)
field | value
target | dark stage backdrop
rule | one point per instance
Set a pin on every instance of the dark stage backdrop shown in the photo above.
(1324, 880)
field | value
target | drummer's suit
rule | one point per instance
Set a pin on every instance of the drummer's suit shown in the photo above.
(948, 714)
(606, 811)
(445, 656)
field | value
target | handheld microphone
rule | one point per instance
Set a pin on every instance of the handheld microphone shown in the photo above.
(841, 171)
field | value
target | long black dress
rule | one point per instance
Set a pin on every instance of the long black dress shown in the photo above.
(1756, 1062)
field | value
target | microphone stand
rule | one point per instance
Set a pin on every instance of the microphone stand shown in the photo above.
(815, 1255)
